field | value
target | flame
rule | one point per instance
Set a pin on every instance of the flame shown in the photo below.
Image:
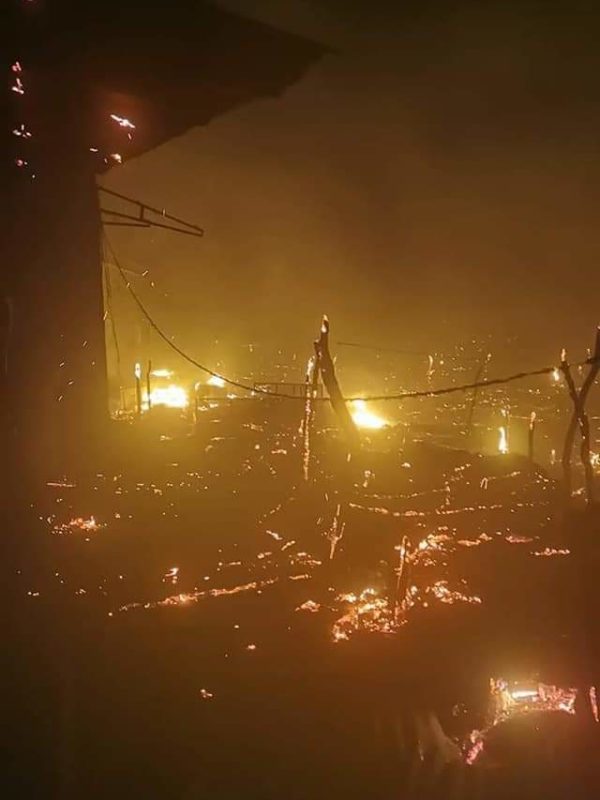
(502, 440)
(509, 700)
(215, 380)
(365, 418)
(171, 396)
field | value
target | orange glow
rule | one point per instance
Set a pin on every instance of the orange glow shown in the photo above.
(171, 396)
(365, 418)
(502, 440)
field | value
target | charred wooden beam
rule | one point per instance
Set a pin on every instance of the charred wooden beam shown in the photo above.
(327, 370)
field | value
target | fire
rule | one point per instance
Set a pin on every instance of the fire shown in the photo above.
(365, 418)
(171, 396)
(513, 699)
(367, 611)
(502, 440)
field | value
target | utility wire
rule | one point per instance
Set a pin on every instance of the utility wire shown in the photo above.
(173, 346)
(366, 398)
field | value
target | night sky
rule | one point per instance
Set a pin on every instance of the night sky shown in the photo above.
(434, 178)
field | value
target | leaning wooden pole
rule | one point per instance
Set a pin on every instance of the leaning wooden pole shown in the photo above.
(327, 369)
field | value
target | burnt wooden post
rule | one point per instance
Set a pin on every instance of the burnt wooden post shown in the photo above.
(312, 385)
(326, 368)
(475, 394)
(531, 436)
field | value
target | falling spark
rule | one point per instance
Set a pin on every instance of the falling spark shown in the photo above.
(206, 695)
(171, 575)
(117, 157)
(123, 122)
(22, 132)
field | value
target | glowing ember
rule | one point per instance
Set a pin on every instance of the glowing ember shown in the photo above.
(206, 695)
(309, 605)
(365, 418)
(366, 611)
(444, 594)
(552, 551)
(78, 523)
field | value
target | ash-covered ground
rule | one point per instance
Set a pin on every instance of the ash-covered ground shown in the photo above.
(196, 618)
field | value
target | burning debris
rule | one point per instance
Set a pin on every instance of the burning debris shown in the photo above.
(518, 699)
(78, 524)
